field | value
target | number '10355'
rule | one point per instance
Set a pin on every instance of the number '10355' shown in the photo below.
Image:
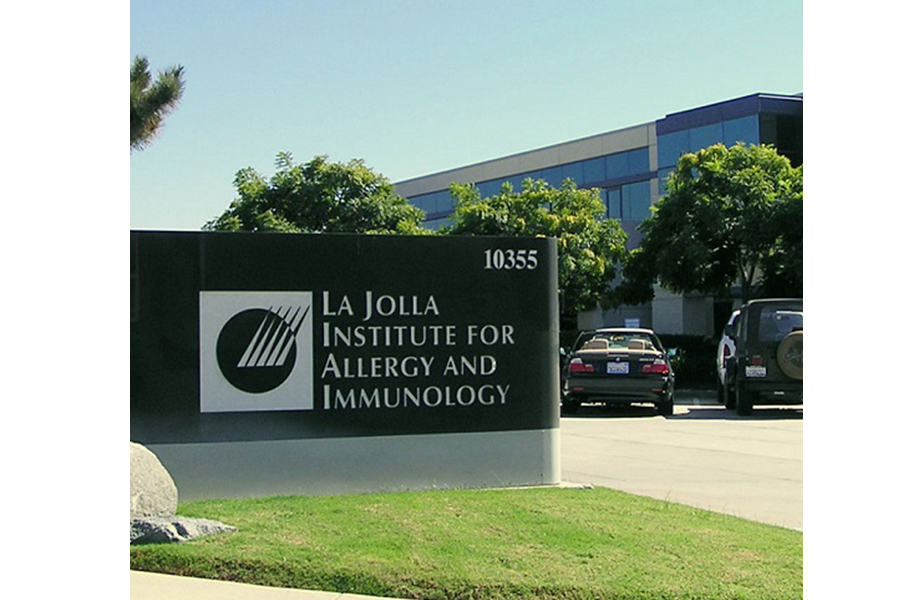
(508, 259)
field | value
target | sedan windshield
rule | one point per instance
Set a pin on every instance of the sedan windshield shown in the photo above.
(619, 341)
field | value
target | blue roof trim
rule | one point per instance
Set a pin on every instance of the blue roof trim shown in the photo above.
(728, 110)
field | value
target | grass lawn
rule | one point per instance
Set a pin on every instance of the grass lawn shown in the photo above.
(517, 543)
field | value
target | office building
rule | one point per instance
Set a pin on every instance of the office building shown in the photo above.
(630, 166)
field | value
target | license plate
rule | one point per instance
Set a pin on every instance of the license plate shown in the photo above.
(617, 368)
(756, 371)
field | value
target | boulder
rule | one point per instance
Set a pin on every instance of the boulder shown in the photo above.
(154, 500)
(163, 530)
(153, 492)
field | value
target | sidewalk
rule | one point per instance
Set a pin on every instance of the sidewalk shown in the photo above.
(155, 586)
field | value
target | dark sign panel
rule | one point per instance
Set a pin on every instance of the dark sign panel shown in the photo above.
(280, 336)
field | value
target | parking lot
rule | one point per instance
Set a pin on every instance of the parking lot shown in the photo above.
(703, 456)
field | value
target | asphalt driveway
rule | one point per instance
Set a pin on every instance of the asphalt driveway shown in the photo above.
(702, 456)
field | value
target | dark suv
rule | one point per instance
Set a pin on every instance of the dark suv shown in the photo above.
(767, 365)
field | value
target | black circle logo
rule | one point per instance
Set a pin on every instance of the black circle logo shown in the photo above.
(256, 350)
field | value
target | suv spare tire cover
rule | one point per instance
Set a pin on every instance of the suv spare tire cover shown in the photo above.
(790, 355)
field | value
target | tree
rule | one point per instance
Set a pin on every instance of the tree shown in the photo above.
(783, 266)
(730, 215)
(316, 197)
(151, 101)
(589, 245)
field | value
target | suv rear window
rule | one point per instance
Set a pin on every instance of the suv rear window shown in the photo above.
(775, 323)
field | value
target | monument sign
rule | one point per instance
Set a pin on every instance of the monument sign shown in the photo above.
(287, 363)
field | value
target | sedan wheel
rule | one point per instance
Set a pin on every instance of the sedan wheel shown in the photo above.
(666, 408)
(570, 407)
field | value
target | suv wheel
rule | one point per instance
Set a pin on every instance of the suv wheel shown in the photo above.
(743, 401)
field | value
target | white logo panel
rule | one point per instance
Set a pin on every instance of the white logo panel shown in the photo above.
(256, 351)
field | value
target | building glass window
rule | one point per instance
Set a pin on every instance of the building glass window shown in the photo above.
(435, 202)
(575, 172)
(617, 165)
(671, 146)
(636, 201)
(785, 132)
(489, 188)
(614, 203)
(639, 161)
(626, 203)
(701, 137)
(552, 175)
(594, 170)
(663, 175)
(425, 202)
(741, 130)
(443, 201)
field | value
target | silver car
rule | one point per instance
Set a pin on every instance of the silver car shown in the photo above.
(724, 352)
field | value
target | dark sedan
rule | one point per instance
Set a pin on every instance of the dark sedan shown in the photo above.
(618, 366)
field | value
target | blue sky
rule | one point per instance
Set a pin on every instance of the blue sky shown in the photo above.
(414, 87)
